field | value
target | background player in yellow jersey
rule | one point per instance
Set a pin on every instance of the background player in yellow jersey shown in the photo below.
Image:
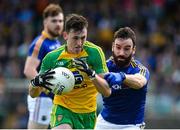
(77, 109)
(40, 107)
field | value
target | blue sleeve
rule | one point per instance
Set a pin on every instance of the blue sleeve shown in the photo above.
(42, 52)
(111, 66)
(32, 45)
(143, 71)
(147, 74)
(36, 48)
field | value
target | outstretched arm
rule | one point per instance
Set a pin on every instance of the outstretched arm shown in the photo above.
(135, 81)
(101, 85)
(30, 69)
(98, 80)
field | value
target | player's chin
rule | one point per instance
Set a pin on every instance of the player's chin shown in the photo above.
(57, 33)
(77, 50)
(120, 60)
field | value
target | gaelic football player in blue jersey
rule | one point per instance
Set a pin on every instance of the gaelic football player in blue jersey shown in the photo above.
(40, 107)
(128, 79)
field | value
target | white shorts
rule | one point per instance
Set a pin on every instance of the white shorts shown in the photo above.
(102, 124)
(40, 109)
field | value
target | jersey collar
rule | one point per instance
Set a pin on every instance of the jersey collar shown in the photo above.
(67, 55)
(46, 35)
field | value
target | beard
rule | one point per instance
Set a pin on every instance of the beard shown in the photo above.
(53, 33)
(122, 63)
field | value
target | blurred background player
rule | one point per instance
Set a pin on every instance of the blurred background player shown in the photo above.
(40, 107)
(128, 79)
(76, 109)
(157, 27)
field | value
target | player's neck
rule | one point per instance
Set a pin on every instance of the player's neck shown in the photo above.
(47, 34)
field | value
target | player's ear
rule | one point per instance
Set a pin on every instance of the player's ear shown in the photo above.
(134, 50)
(65, 35)
(44, 22)
(112, 46)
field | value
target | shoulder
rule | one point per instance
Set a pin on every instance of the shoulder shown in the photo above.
(91, 48)
(55, 53)
(137, 65)
(35, 46)
(38, 40)
(90, 45)
(111, 65)
(109, 61)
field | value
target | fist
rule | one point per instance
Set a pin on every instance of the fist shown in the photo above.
(114, 78)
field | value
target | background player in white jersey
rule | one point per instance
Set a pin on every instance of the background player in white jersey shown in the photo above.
(128, 79)
(40, 107)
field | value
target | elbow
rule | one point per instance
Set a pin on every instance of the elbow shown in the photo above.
(138, 85)
(107, 93)
(141, 82)
(34, 92)
(33, 96)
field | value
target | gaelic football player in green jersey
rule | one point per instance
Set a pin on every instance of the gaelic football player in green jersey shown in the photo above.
(75, 110)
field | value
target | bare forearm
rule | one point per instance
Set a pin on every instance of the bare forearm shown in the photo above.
(30, 68)
(30, 74)
(136, 81)
(102, 86)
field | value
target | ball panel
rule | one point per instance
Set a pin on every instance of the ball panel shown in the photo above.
(63, 80)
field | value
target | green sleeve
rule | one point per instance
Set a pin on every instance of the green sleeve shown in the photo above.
(98, 61)
(46, 63)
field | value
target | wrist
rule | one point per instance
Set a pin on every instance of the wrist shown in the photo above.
(93, 75)
(33, 84)
(123, 75)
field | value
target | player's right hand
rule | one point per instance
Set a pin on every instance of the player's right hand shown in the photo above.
(41, 80)
(84, 67)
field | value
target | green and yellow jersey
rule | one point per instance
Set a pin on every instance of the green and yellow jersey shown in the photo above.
(82, 99)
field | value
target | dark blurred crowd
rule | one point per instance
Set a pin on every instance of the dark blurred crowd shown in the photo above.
(156, 23)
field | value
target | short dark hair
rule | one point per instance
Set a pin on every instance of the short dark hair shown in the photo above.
(52, 10)
(126, 33)
(75, 22)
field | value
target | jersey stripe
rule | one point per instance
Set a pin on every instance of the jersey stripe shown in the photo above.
(141, 67)
(100, 52)
(133, 63)
(142, 70)
(54, 110)
(46, 35)
(37, 46)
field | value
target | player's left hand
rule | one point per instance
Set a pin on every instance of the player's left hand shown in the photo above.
(84, 67)
(114, 78)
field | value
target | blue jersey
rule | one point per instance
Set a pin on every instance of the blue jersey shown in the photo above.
(42, 45)
(126, 105)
